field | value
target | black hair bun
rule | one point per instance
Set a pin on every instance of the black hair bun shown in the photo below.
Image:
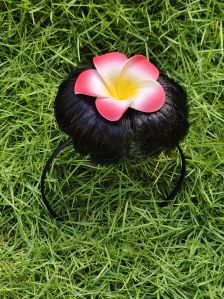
(135, 133)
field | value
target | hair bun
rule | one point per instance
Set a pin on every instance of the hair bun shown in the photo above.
(136, 132)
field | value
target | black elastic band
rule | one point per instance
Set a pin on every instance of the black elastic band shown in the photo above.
(68, 142)
(179, 182)
(55, 153)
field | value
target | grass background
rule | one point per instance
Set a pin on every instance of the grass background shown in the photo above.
(118, 243)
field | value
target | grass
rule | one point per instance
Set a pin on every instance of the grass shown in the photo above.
(118, 243)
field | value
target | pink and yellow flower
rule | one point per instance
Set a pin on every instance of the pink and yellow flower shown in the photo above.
(119, 83)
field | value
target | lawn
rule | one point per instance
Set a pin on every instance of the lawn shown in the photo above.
(117, 242)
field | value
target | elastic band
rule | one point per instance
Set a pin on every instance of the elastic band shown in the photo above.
(179, 182)
(68, 142)
(56, 152)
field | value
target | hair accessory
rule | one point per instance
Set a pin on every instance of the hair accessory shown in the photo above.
(120, 108)
(68, 142)
(119, 83)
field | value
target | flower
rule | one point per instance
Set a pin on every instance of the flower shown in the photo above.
(119, 83)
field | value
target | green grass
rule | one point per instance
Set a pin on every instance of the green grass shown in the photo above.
(117, 243)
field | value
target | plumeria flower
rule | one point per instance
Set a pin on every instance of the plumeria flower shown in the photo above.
(118, 83)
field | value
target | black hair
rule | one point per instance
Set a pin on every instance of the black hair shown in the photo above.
(135, 133)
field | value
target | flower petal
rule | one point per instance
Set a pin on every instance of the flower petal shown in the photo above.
(149, 98)
(140, 68)
(90, 83)
(112, 109)
(109, 65)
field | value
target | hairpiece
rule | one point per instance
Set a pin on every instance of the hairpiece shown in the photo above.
(119, 108)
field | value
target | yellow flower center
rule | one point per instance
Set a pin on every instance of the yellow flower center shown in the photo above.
(123, 87)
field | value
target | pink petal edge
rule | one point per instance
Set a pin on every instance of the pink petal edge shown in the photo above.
(140, 68)
(149, 98)
(112, 109)
(90, 83)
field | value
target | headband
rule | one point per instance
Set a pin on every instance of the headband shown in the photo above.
(68, 142)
